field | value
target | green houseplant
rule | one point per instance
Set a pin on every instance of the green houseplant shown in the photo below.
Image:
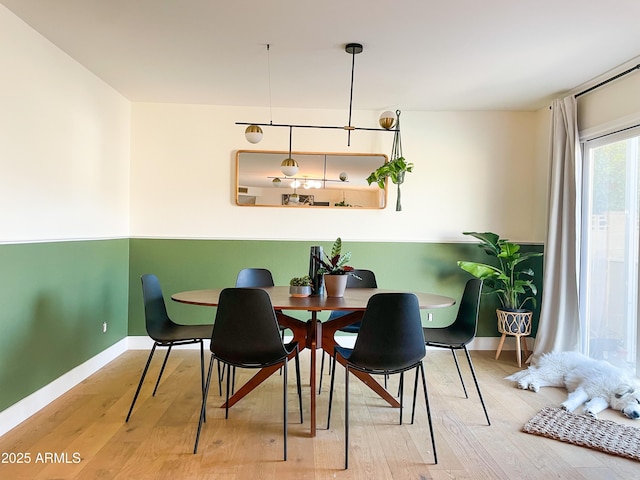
(335, 269)
(300, 286)
(395, 169)
(509, 277)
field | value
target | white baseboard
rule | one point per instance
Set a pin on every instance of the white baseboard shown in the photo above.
(23, 409)
(20, 411)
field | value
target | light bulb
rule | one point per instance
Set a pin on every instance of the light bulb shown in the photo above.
(277, 182)
(289, 167)
(343, 176)
(253, 134)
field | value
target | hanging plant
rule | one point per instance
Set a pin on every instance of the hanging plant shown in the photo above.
(395, 169)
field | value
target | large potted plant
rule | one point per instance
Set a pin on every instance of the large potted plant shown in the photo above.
(335, 270)
(510, 278)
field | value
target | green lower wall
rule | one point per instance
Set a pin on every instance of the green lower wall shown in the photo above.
(198, 264)
(55, 297)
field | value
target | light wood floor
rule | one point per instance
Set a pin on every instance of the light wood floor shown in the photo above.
(158, 440)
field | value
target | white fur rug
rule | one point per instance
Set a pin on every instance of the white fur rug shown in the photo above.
(583, 430)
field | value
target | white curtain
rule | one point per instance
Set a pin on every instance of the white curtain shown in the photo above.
(559, 326)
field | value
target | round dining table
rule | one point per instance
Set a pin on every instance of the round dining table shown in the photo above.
(313, 333)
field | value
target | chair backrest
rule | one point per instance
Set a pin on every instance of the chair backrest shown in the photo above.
(155, 311)
(254, 277)
(246, 331)
(367, 276)
(466, 322)
(390, 336)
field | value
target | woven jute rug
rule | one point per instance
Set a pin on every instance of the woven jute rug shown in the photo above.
(603, 435)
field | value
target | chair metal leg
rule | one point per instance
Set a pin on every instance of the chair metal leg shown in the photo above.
(333, 376)
(401, 394)
(284, 401)
(346, 416)
(321, 372)
(204, 405)
(426, 399)
(473, 373)
(453, 352)
(298, 383)
(164, 364)
(226, 404)
(144, 374)
(415, 391)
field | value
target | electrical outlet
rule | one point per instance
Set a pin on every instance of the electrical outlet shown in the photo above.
(430, 317)
(104, 327)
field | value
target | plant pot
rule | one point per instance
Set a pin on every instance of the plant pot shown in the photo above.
(300, 291)
(335, 285)
(514, 322)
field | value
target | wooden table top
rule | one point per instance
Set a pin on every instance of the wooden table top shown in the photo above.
(354, 299)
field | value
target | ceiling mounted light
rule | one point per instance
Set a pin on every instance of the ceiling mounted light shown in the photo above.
(352, 49)
(253, 134)
(276, 182)
(343, 176)
(289, 166)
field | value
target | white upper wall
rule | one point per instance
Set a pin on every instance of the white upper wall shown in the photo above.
(64, 144)
(473, 171)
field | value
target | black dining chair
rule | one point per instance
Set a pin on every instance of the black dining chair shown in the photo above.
(246, 335)
(367, 280)
(256, 278)
(461, 332)
(390, 341)
(166, 333)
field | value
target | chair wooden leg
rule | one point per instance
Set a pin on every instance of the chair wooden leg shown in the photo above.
(500, 345)
(144, 374)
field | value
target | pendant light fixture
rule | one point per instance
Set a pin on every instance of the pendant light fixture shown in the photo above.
(289, 166)
(253, 132)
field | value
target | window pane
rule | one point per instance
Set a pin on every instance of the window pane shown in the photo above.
(609, 279)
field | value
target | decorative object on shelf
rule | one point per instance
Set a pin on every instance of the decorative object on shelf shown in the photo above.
(253, 133)
(295, 199)
(394, 168)
(511, 280)
(300, 286)
(335, 270)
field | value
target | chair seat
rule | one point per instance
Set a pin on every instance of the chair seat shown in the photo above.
(445, 337)
(353, 328)
(177, 333)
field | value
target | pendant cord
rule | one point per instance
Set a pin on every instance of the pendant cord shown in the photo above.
(269, 81)
(353, 64)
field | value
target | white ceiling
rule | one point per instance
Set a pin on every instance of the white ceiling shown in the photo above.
(418, 54)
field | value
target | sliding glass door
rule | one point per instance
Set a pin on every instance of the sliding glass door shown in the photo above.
(610, 248)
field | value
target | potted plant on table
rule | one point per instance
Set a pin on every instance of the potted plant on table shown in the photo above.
(335, 270)
(300, 286)
(509, 278)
